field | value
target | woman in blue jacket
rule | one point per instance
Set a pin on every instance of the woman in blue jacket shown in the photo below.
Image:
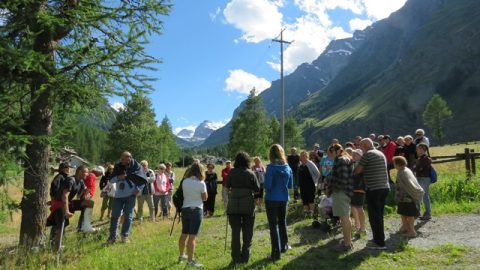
(278, 179)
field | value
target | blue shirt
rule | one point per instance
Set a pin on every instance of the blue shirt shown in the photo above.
(278, 179)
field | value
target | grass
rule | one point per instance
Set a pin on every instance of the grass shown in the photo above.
(153, 248)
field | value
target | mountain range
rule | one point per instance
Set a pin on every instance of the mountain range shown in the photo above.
(380, 79)
(195, 137)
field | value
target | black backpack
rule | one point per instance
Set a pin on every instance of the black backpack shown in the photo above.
(178, 198)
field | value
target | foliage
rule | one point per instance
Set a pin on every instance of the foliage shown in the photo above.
(59, 57)
(436, 112)
(293, 134)
(274, 131)
(135, 130)
(250, 128)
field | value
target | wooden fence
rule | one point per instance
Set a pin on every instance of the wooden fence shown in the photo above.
(468, 156)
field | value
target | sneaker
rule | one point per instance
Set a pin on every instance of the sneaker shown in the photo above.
(374, 246)
(125, 240)
(344, 248)
(360, 233)
(287, 247)
(194, 264)
(425, 217)
(182, 258)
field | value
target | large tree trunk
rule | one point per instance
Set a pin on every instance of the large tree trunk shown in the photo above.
(35, 197)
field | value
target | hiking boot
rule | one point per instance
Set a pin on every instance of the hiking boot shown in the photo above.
(182, 258)
(125, 240)
(360, 233)
(287, 247)
(344, 248)
(426, 217)
(194, 264)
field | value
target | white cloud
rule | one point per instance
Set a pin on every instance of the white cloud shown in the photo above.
(242, 82)
(359, 24)
(117, 106)
(214, 15)
(380, 9)
(312, 31)
(257, 19)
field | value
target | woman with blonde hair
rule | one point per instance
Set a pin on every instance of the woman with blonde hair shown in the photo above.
(194, 194)
(278, 179)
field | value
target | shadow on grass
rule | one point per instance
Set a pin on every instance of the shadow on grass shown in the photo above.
(327, 256)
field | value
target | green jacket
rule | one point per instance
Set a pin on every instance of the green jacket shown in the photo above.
(242, 183)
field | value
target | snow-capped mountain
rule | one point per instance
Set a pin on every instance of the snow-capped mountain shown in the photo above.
(188, 137)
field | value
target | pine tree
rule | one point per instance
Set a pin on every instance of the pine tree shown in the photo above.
(59, 56)
(293, 134)
(436, 112)
(250, 132)
(274, 131)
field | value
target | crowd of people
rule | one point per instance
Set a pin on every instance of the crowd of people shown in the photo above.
(350, 175)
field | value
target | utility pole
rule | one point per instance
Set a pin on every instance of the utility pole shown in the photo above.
(282, 88)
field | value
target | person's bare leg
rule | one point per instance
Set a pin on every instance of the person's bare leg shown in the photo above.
(361, 218)
(410, 222)
(346, 230)
(403, 227)
(181, 244)
(356, 218)
(191, 246)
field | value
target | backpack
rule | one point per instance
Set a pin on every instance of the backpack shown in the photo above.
(177, 198)
(433, 175)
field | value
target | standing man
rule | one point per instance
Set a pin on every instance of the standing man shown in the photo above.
(293, 161)
(147, 193)
(126, 174)
(225, 172)
(373, 165)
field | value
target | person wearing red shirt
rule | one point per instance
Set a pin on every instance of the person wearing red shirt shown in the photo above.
(389, 148)
(225, 172)
(85, 221)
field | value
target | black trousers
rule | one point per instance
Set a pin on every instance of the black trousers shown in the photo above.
(241, 224)
(376, 205)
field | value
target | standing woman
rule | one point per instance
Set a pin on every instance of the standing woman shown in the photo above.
(242, 183)
(259, 171)
(211, 183)
(341, 187)
(194, 194)
(278, 179)
(423, 167)
(308, 175)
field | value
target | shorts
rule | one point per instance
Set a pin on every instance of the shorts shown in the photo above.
(259, 195)
(358, 199)
(191, 220)
(341, 204)
(408, 209)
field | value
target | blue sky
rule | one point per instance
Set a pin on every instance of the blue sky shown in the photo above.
(215, 51)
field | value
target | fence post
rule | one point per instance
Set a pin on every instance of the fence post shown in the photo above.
(467, 162)
(472, 158)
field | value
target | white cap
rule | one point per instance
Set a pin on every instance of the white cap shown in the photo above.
(100, 169)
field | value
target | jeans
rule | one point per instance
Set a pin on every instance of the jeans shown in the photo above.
(126, 206)
(141, 199)
(425, 184)
(163, 201)
(376, 205)
(241, 224)
(277, 221)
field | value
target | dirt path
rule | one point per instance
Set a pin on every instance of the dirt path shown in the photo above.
(456, 229)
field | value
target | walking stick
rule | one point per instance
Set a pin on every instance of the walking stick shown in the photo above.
(226, 235)
(59, 251)
(173, 223)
